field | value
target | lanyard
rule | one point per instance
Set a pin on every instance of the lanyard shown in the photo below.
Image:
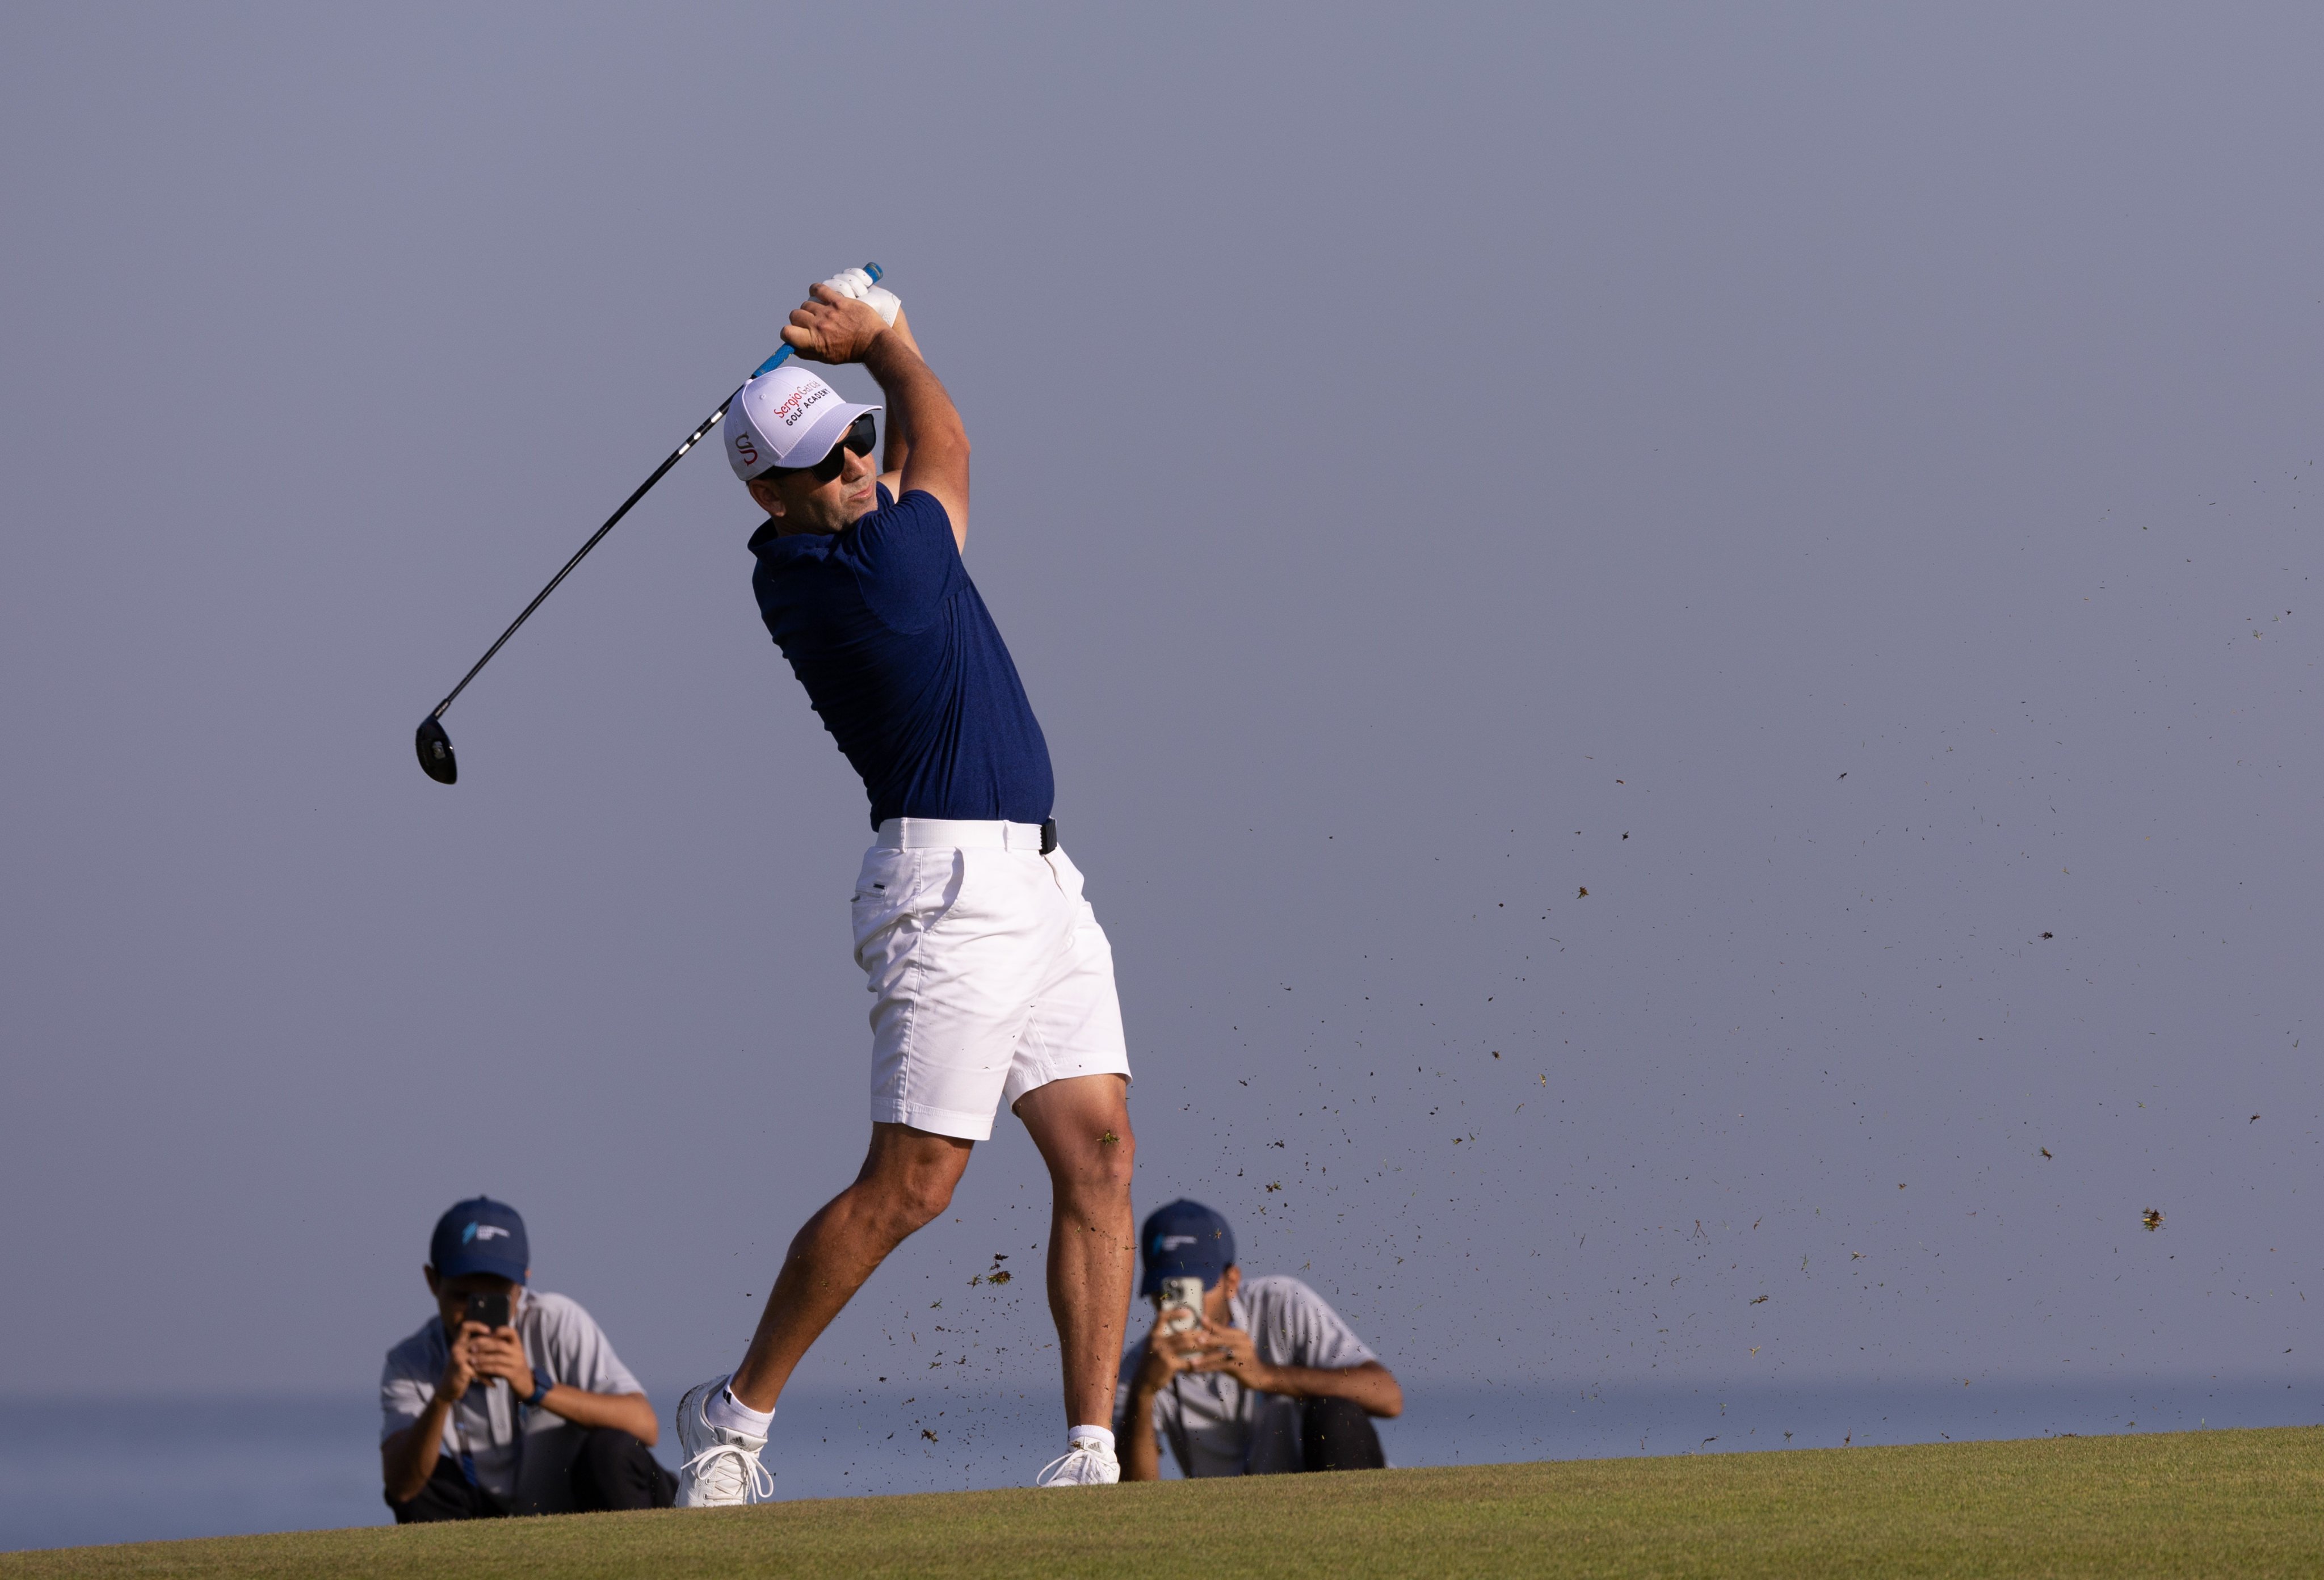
(1176, 1421)
(467, 1455)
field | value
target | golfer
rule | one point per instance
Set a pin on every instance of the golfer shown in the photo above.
(991, 979)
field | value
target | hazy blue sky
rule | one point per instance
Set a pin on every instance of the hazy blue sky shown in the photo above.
(1838, 486)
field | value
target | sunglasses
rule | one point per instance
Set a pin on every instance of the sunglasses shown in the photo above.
(858, 439)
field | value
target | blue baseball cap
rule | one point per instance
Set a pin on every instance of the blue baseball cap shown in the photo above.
(1185, 1240)
(480, 1236)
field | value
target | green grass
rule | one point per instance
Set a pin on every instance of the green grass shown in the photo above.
(2211, 1503)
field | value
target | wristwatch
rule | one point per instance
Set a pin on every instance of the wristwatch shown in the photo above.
(540, 1387)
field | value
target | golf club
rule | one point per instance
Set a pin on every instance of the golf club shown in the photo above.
(435, 747)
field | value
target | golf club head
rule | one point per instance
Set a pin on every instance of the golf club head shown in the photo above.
(436, 759)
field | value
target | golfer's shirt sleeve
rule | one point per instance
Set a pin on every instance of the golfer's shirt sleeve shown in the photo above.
(909, 566)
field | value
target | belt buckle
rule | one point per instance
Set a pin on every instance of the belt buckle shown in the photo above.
(1048, 834)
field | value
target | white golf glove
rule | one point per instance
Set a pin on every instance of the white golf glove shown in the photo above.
(856, 283)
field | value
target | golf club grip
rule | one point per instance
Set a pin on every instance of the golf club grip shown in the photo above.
(780, 356)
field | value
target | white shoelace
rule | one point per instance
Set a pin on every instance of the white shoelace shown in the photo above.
(1080, 1450)
(760, 1480)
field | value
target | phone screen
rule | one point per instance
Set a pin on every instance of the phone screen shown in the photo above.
(492, 1310)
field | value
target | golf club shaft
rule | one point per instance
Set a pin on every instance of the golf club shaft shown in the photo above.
(691, 441)
(675, 457)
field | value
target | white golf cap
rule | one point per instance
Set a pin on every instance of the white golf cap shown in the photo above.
(786, 418)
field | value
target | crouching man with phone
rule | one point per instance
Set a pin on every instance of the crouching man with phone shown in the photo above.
(1243, 1377)
(510, 1400)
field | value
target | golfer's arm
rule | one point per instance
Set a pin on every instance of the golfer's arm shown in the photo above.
(895, 434)
(408, 1458)
(937, 444)
(630, 1412)
(1371, 1385)
(1142, 1457)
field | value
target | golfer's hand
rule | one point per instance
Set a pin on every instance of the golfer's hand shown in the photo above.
(496, 1353)
(856, 285)
(831, 328)
(1230, 1350)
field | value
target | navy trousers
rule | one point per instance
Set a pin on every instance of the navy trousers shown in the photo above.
(1336, 1433)
(613, 1471)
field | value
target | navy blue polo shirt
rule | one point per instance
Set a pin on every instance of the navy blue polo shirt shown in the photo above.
(899, 654)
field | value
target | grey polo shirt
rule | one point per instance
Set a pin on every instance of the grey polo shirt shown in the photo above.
(561, 1343)
(1216, 1427)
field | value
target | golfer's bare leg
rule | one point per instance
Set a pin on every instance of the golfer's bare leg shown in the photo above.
(908, 1179)
(1082, 1126)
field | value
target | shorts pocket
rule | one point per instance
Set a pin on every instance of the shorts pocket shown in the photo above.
(898, 893)
(1067, 875)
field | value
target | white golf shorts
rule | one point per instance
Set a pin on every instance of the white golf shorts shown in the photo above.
(988, 971)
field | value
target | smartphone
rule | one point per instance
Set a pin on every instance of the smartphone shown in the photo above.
(492, 1310)
(1181, 1305)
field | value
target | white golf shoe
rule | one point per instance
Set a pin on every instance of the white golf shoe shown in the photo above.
(722, 1468)
(1087, 1464)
